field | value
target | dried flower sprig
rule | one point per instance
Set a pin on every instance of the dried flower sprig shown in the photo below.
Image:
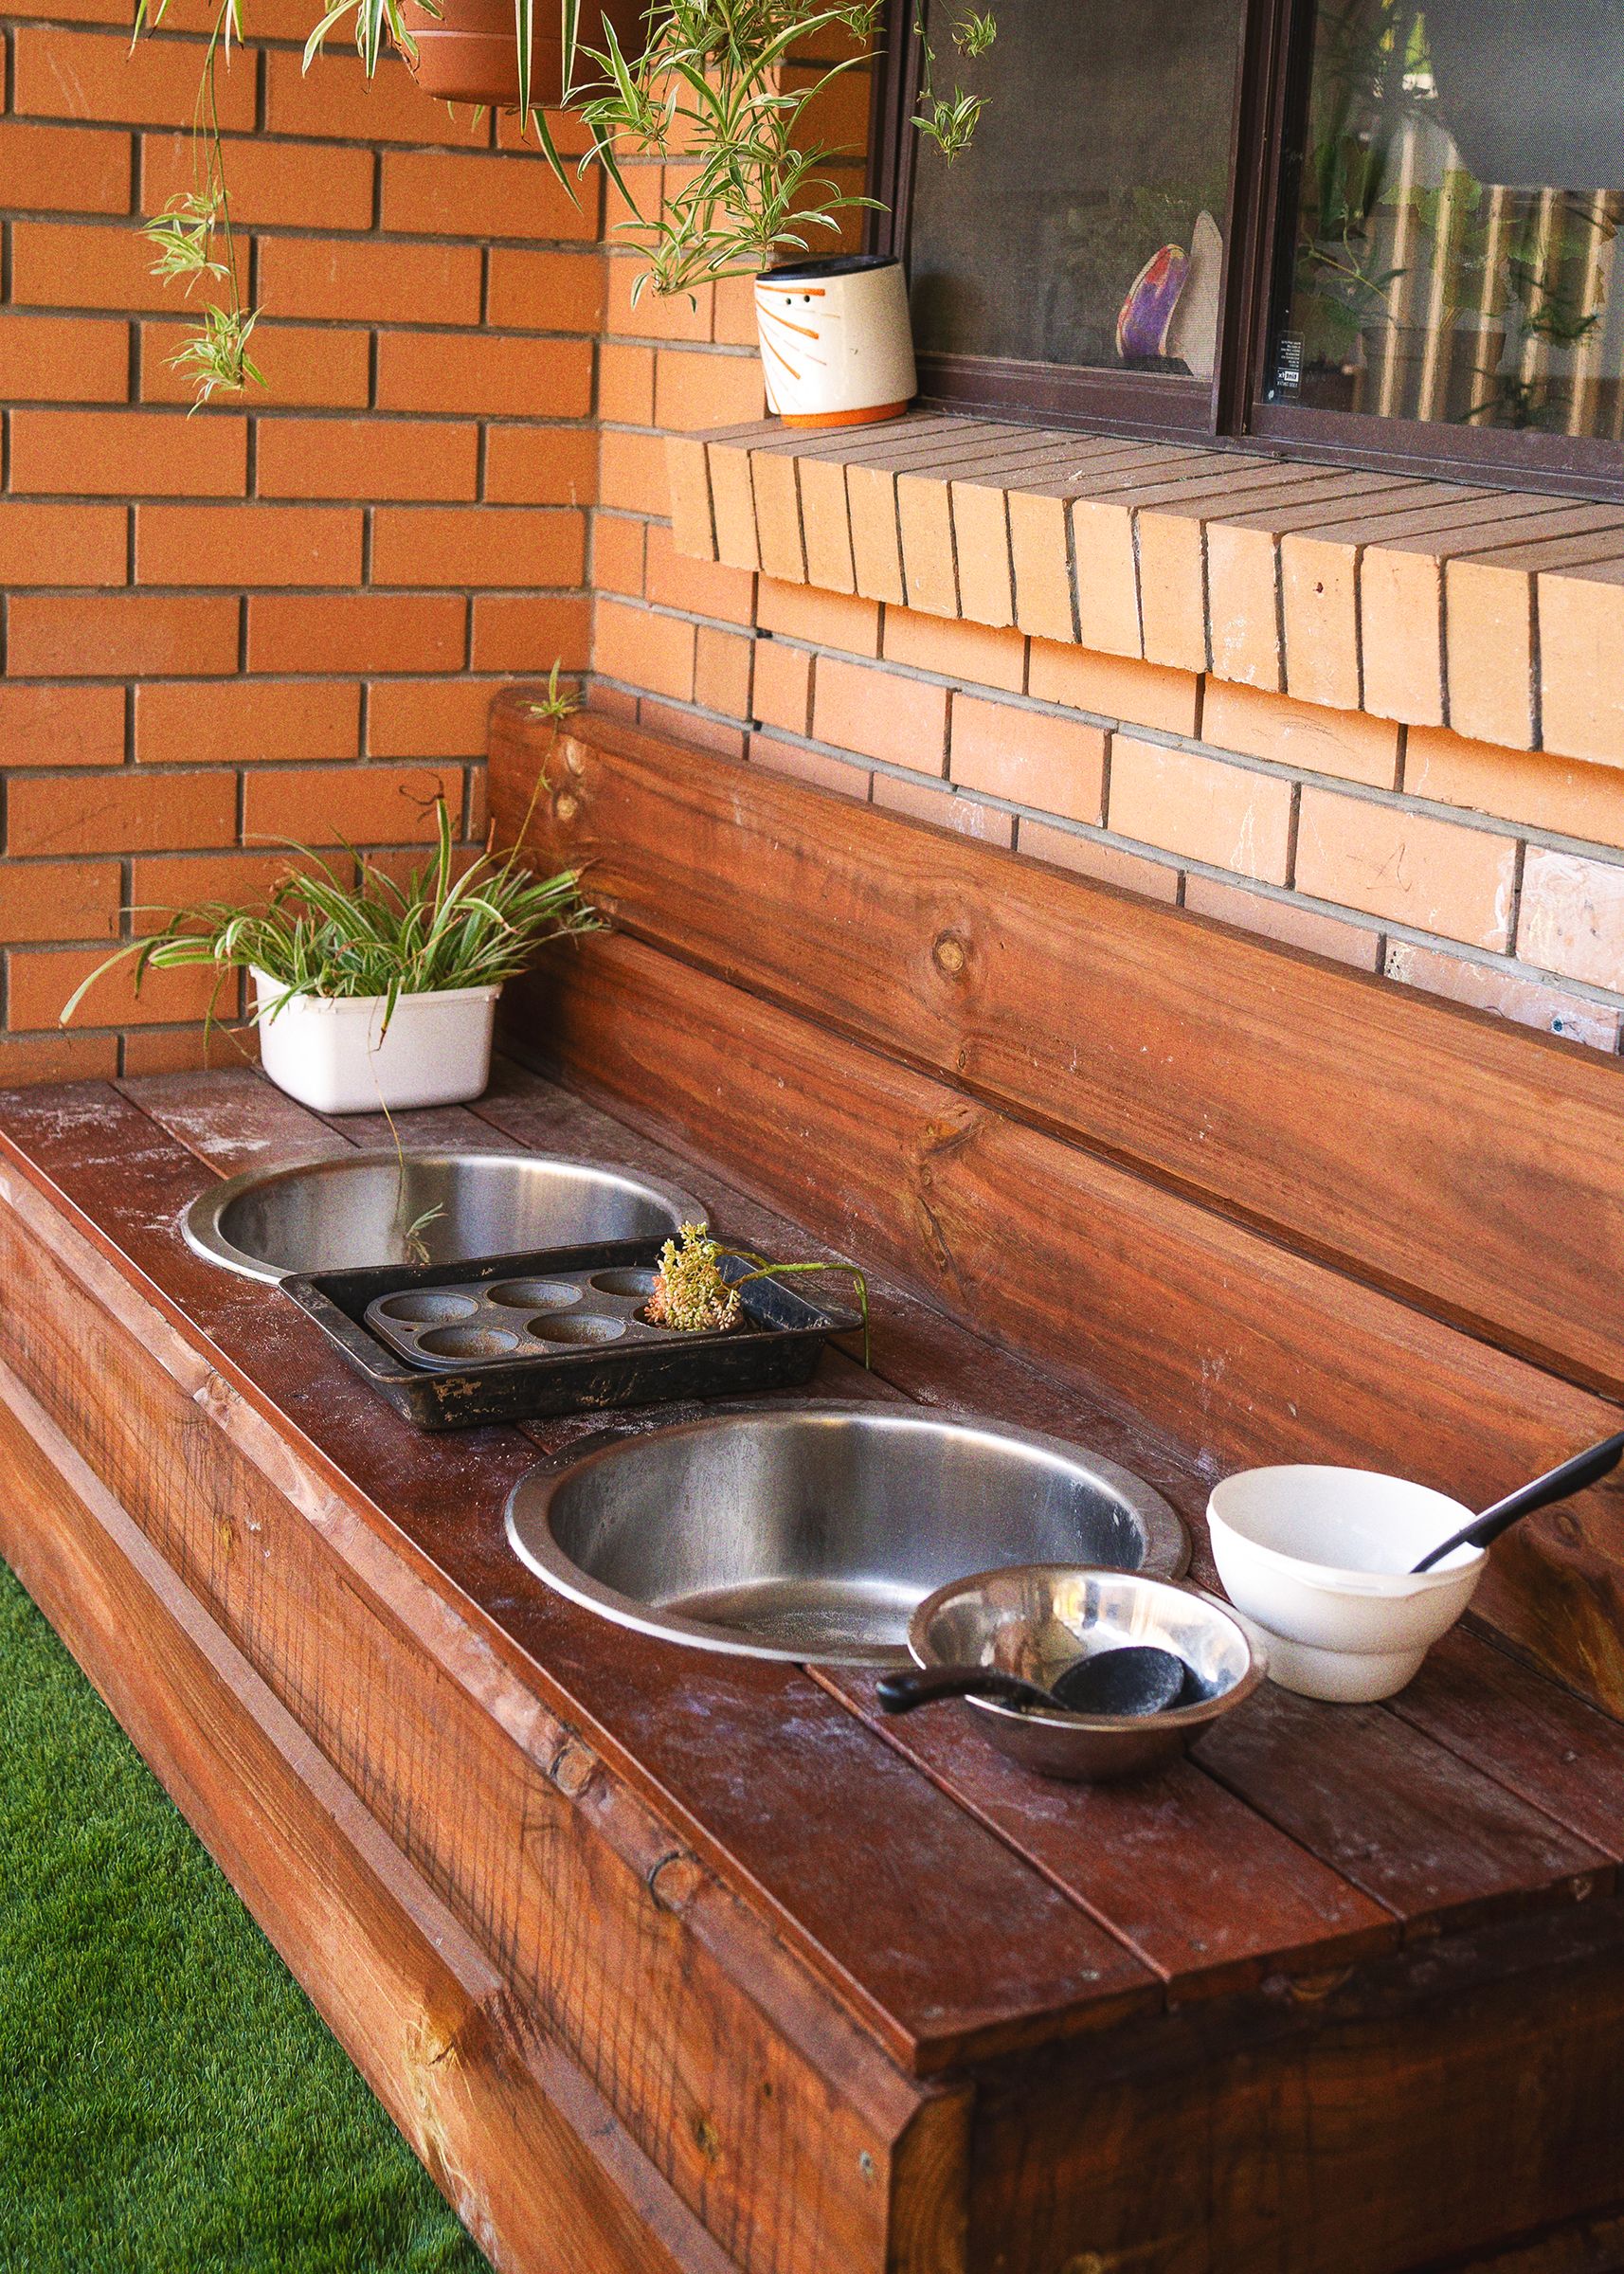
(694, 1295)
(690, 1293)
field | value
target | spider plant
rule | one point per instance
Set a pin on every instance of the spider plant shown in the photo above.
(192, 236)
(709, 90)
(326, 934)
(710, 93)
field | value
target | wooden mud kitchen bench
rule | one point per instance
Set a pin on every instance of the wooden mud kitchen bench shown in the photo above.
(665, 1960)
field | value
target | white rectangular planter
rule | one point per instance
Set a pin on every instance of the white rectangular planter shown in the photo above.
(335, 1054)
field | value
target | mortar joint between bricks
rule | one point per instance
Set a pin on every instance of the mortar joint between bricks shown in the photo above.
(1514, 910)
(1293, 822)
(1138, 578)
(1536, 700)
(1069, 523)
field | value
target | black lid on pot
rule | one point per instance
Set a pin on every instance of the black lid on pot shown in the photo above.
(836, 265)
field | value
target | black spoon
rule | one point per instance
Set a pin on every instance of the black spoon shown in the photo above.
(1556, 1484)
(1137, 1679)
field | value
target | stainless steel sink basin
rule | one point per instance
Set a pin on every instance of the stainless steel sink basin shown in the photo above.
(434, 1207)
(811, 1531)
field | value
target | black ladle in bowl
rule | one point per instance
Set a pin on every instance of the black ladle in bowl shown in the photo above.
(1556, 1484)
(1129, 1682)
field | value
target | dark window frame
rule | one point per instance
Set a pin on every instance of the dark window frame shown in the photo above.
(1275, 51)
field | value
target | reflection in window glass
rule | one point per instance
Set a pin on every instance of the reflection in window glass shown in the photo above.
(1461, 191)
(1083, 224)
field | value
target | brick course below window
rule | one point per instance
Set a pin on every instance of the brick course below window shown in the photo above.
(1490, 874)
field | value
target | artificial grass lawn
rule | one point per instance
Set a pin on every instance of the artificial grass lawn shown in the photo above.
(170, 2101)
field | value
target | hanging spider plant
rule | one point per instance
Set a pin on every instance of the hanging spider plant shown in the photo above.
(710, 94)
(193, 235)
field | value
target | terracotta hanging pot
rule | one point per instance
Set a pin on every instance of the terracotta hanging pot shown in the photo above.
(837, 345)
(469, 52)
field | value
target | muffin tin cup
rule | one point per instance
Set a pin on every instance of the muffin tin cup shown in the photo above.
(476, 1322)
(551, 1332)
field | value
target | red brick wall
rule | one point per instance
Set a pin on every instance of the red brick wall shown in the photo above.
(316, 595)
(282, 620)
(1490, 876)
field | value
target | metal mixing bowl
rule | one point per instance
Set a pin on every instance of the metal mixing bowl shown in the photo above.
(353, 1211)
(1034, 1619)
(809, 1529)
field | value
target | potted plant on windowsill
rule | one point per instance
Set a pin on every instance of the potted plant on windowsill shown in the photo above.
(370, 994)
(707, 87)
(751, 191)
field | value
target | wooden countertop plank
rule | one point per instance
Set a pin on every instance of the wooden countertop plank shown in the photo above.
(1457, 1843)
(801, 1808)
(1530, 1735)
(1206, 1890)
(233, 1118)
(1420, 1829)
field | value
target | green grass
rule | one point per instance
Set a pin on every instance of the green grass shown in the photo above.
(170, 2101)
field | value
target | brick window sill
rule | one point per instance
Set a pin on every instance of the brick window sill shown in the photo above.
(1501, 616)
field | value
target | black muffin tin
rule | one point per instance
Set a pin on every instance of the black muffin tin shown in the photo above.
(554, 1331)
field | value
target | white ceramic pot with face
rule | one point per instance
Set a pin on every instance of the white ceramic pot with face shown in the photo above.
(837, 344)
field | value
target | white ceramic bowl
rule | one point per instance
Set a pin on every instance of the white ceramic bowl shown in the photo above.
(1320, 1559)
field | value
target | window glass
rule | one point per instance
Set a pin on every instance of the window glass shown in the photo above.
(1082, 226)
(1458, 207)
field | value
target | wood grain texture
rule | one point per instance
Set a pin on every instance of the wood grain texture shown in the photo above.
(663, 1926)
(1432, 1837)
(493, 2109)
(1411, 2115)
(750, 1799)
(1461, 1161)
(610, 1933)
(1204, 1888)
(1534, 1738)
(1245, 1351)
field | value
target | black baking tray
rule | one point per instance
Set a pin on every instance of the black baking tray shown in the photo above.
(778, 1349)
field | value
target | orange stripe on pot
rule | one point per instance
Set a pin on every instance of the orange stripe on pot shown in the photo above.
(843, 418)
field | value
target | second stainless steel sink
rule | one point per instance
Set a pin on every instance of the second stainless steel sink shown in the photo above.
(811, 1531)
(344, 1214)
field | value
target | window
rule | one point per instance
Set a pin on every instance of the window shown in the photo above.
(1378, 230)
